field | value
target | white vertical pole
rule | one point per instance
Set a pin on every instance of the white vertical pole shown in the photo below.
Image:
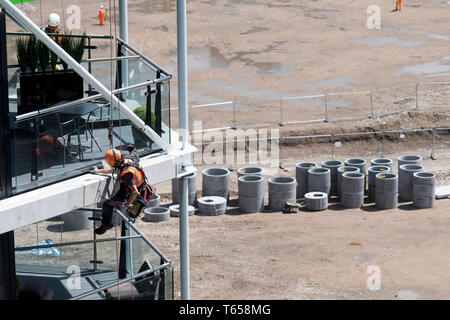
(123, 31)
(183, 133)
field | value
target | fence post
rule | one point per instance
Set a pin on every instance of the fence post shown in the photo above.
(382, 144)
(233, 126)
(326, 109)
(417, 95)
(281, 113)
(281, 153)
(432, 156)
(332, 146)
(371, 105)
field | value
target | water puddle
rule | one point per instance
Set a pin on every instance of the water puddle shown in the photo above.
(210, 58)
(432, 35)
(435, 68)
(382, 41)
(242, 87)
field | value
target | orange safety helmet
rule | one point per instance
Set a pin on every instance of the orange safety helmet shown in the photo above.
(112, 156)
(47, 143)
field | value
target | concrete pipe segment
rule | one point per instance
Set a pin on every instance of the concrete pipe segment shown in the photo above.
(155, 201)
(382, 162)
(316, 201)
(216, 182)
(409, 160)
(212, 205)
(156, 214)
(373, 171)
(424, 184)
(301, 175)
(319, 179)
(359, 163)
(340, 172)
(386, 191)
(405, 180)
(281, 190)
(352, 190)
(175, 210)
(333, 165)
(251, 191)
(250, 170)
(192, 189)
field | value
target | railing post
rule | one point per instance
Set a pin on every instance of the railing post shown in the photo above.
(326, 109)
(417, 95)
(433, 144)
(371, 105)
(281, 151)
(332, 146)
(234, 115)
(158, 113)
(382, 145)
(281, 113)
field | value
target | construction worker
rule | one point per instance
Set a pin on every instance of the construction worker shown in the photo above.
(101, 15)
(132, 181)
(398, 5)
(53, 24)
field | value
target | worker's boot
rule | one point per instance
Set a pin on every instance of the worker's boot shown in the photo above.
(102, 229)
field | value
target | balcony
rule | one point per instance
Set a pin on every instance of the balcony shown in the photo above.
(52, 143)
(62, 259)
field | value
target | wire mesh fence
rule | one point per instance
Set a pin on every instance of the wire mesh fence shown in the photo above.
(321, 107)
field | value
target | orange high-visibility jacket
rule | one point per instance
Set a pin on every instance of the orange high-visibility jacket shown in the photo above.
(101, 14)
(138, 175)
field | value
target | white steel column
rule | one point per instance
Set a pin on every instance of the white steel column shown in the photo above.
(183, 133)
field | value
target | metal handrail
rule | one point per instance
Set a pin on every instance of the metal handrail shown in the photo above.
(11, 66)
(143, 57)
(148, 242)
(74, 243)
(61, 35)
(87, 99)
(141, 274)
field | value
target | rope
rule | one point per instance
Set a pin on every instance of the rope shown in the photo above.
(111, 127)
(64, 19)
(40, 12)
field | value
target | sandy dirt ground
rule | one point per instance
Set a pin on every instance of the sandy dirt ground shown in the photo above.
(312, 255)
(262, 50)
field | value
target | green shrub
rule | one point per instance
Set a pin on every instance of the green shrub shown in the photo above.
(22, 53)
(141, 113)
(43, 56)
(77, 47)
(32, 53)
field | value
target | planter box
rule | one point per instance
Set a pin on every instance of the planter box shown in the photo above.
(44, 89)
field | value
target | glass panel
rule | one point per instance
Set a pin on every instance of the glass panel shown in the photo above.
(65, 143)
